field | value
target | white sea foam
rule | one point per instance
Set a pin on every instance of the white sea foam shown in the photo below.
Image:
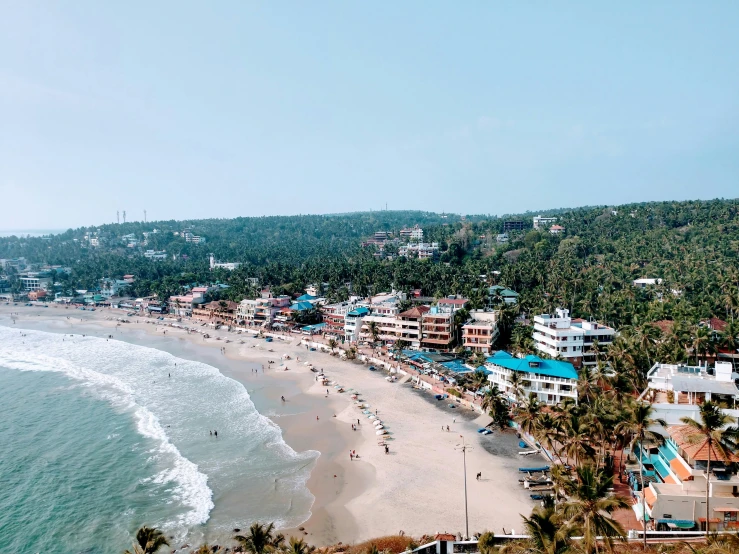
(191, 486)
(135, 379)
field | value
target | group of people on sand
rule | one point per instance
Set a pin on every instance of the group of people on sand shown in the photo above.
(214, 434)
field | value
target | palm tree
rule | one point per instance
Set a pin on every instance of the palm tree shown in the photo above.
(576, 438)
(546, 532)
(374, 331)
(332, 344)
(496, 406)
(712, 432)
(478, 380)
(589, 508)
(148, 541)
(701, 341)
(527, 414)
(647, 336)
(516, 381)
(261, 539)
(637, 426)
(298, 546)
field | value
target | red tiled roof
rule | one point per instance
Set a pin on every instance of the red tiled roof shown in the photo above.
(684, 436)
(664, 325)
(717, 324)
(444, 537)
(418, 311)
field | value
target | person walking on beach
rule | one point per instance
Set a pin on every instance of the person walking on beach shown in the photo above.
(351, 456)
(447, 428)
(387, 449)
(215, 433)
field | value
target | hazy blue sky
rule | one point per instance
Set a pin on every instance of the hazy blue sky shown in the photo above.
(219, 109)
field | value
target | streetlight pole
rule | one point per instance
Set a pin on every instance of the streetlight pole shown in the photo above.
(464, 449)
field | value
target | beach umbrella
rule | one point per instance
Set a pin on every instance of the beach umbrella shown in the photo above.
(372, 416)
(377, 428)
(380, 432)
(377, 422)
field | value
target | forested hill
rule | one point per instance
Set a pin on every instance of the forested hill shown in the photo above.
(589, 267)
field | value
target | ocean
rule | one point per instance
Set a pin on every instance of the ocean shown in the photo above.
(30, 232)
(99, 437)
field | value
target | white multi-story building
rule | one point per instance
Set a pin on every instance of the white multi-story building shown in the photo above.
(424, 250)
(541, 222)
(223, 265)
(111, 287)
(195, 239)
(560, 336)
(414, 233)
(479, 334)
(246, 311)
(156, 254)
(34, 281)
(353, 323)
(551, 380)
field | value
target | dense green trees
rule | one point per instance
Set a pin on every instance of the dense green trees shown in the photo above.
(692, 246)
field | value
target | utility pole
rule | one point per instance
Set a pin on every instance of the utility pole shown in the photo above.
(124, 216)
(118, 217)
(464, 448)
(144, 216)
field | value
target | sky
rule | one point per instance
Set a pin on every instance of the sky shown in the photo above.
(224, 109)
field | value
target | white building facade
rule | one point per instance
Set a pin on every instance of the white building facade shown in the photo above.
(561, 336)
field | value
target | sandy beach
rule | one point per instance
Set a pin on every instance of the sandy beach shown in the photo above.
(417, 488)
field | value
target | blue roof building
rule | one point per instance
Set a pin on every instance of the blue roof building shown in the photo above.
(551, 380)
(301, 306)
(306, 298)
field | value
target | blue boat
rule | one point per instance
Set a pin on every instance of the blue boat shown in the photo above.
(482, 430)
(533, 469)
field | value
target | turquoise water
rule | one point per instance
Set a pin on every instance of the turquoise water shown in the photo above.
(99, 437)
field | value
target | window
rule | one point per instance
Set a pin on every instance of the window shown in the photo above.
(729, 516)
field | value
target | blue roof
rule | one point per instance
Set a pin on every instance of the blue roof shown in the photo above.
(457, 367)
(359, 311)
(305, 298)
(552, 368)
(415, 355)
(315, 327)
(300, 306)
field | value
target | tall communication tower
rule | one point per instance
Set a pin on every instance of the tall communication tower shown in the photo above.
(124, 216)
(118, 217)
(144, 216)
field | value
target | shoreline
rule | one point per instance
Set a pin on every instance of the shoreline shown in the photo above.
(355, 500)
